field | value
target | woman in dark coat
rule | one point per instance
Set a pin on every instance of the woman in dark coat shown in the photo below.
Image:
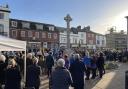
(2, 70)
(100, 64)
(60, 77)
(12, 76)
(77, 69)
(33, 75)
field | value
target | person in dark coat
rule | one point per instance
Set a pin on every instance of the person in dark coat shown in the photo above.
(60, 77)
(67, 63)
(93, 66)
(33, 75)
(12, 76)
(87, 62)
(49, 63)
(100, 64)
(2, 70)
(29, 59)
(77, 69)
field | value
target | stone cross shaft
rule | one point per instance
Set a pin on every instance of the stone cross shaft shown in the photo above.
(68, 19)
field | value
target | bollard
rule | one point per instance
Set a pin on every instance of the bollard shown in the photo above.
(126, 80)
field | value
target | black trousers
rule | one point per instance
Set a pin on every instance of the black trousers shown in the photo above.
(100, 72)
(88, 72)
(49, 70)
(79, 87)
(93, 72)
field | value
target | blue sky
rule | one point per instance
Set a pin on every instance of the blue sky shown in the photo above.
(99, 14)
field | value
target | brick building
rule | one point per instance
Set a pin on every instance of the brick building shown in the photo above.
(36, 34)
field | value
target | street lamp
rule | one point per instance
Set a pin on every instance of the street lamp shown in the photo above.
(68, 19)
(127, 30)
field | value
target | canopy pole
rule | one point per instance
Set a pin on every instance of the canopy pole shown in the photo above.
(25, 68)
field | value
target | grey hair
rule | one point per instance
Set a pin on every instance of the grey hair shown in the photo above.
(2, 58)
(77, 56)
(29, 55)
(60, 62)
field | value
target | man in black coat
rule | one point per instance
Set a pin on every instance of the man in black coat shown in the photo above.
(77, 69)
(33, 75)
(100, 64)
(49, 63)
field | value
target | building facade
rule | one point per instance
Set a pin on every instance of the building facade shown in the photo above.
(36, 34)
(100, 41)
(90, 39)
(74, 37)
(4, 20)
(116, 40)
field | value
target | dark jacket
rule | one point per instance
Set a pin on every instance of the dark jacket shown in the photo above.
(77, 69)
(100, 62)
(33, 75)
(28, 62)
(2, 72)
(60, 79)
(13, 78)
(49, 61)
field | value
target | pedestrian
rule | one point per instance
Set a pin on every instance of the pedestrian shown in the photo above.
(49, 63)
(2, 70)
(93, 66)
(60, 77)
(12, 76)
(87, 62)
(29, 59)
(67, 63)
(33, 75)
(100, 64)
(77, 69)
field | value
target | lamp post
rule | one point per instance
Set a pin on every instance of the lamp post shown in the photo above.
(127, 31)
(68, 19)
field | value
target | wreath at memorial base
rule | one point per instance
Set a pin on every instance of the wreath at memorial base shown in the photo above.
(111, 65)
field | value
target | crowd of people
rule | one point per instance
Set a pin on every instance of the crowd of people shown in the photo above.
(62, 69)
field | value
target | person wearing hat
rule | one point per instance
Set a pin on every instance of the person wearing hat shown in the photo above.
(60, 77)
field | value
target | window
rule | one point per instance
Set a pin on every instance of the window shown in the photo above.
(1, 15)
(1, 28)
(51, 28)
(43, 35)
(37, 34)
(49, 35)
(14, 33)
(13, 23)
(39, 26)
(75, 41)
(81, 41)
(55, 36)
(64, 40)
(98, 42)
(103, 42)
(29, 33)
(25, 24)
(82, 35)
(22, 34)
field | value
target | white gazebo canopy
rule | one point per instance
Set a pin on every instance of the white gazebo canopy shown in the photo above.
(8, 44)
